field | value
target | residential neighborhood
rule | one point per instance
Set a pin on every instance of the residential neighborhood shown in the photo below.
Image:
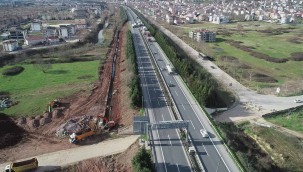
(53, 23)
(220, 12)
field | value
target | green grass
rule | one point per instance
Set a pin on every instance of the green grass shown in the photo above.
(34, 89)
(285, 150)
(290, 120)
(277, 46)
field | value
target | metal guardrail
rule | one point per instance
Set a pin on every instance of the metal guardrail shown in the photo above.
(174, 107)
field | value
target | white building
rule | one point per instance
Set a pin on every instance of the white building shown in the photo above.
(10, 45)
(36, 26)
(34, 40)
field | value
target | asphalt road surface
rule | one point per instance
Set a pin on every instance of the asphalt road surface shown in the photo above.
(170, 154)
(211, 151)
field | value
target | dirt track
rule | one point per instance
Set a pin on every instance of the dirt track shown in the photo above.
(55, 160)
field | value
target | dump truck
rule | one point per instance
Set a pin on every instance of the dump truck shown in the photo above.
(100, 125)
(22, 165)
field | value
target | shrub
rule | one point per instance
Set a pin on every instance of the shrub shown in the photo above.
(142, 161)
(13, 71)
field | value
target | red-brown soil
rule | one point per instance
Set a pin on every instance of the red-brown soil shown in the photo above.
(114, 163)
(32, 141)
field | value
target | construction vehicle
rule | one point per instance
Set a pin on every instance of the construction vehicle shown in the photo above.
(53, 104)
(100, 124)
(22, 165)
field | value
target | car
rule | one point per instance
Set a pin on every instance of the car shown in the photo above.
(159, 59)
(171, 85)
(213, 67)
(298, 101)
(204, 133)
(155, 52)
(163, 69)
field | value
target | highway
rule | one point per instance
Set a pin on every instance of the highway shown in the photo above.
(169, 152)
(211, 151)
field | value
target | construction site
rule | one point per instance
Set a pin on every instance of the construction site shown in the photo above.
(87, 117)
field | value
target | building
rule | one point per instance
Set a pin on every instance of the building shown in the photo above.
(16, 33)
(203, 35)
(34, 40)
(64, 31)
(67, 30)
(36, 26)
(10, 45)
(50, 31)
(80, 23)
(53, 40)
(206, 36)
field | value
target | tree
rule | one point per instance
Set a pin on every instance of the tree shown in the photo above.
(142, 161)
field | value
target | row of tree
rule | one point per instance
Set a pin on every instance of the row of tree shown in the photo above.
(135, 90)
(203, 86)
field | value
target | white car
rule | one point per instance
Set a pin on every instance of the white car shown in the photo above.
(298, 101)
(204, 133)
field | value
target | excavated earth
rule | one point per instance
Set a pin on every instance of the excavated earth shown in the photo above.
(27, 137)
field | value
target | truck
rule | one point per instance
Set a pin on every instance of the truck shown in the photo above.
(169, 69)
(101, 124)
(21, 166)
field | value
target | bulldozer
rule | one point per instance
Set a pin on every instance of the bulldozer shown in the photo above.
(100, 124)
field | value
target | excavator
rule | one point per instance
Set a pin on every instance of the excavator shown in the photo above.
(53, 104)
(101, 124)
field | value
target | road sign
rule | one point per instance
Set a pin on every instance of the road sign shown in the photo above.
(169, 125)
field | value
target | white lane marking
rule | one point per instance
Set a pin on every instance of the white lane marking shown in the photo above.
(192, 124)
(158, 102)
(176, 93)
(178, 167)
(162, 117)
(183, 106)
(147, 90)
(203, 126)
(204, 148)
(169, 140)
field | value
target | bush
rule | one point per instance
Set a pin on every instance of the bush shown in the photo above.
(251, 156)
(142, 161)
(13, 71)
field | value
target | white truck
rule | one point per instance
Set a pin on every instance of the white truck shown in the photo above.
(169, 69)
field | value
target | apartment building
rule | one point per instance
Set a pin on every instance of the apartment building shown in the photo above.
(203, 35)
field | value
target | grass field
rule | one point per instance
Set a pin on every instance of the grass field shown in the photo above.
(291, 120)
(34, 89)
(285, 150)
(286, 74)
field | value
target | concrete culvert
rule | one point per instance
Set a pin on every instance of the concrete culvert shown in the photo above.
(22, 121)
(44, 121)
(57, 113)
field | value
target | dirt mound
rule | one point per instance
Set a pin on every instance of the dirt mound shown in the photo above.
(44, 121)
(114, 163)
(10, 133)
(35, 123)
(57, 113)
